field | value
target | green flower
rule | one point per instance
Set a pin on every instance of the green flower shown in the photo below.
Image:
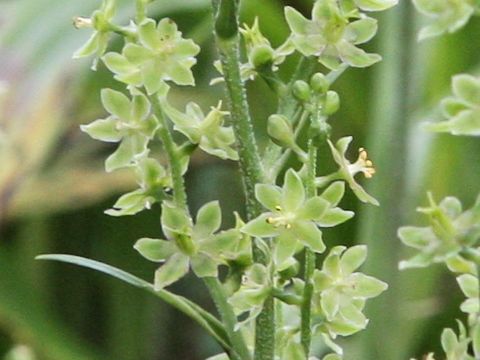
(254, 290)
(100, 21)
(463, 109)
(331, 36)
(294, 220)
(340, 293)
(206, 131)
(348, 170)
(198, 246)
(152, 179)
(375, 5)
(130, 123)
(456, 347)
(448, 15)
(469, 285)
(162, 55)
(450, 230)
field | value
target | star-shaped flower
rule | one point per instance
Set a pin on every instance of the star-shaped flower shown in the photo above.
(448, 15)
(130, 123)
(348, 170)
(206, 131)
(341, 292)
(449, 232)
(462, 109)
(293, 219)
(161, 55)
(331, 36)
(197, 245)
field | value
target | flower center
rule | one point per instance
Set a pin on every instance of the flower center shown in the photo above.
(363, 164)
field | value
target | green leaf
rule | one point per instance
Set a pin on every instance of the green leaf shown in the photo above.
(173, 270)
(154, 249)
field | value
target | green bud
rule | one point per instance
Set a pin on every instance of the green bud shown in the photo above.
(301, 90)
(332, 103)
(280, 130)
(319, 83)
(261, 55)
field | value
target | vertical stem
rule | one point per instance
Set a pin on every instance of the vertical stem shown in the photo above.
(239, 348)
(227, 38)
(306, 308)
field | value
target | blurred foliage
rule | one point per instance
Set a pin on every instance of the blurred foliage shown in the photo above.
(53, 189)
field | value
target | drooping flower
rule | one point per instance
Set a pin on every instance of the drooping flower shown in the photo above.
(447, 15)
(462, 109)
(130, 123)
(100, 21)
(294, 220)
(162, 55)
(198, 245)
(450, 230)
(331, 36)
(348, 170)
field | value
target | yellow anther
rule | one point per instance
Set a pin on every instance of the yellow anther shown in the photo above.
(278, 208)
(369, 163)
(270, 220)
(288, 226)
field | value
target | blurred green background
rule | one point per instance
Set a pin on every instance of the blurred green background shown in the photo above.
(53, 189)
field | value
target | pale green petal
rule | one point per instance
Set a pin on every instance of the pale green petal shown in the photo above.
(330, 303)
(90, 47)
(128, 149)
(309, 235)
(465, 123)
(376, 5)
(148, 34)
(297, 22)
(469, 285)
(173, 270)
(416, 237)
(260, 227)
(137, 54)
(209, 219)
(285, 248)
(104, 130)
(314, 209)
(353, 258)
(204, 266)
(355, 56)
(367, 286)
(334, 193)
(154, 249)
(334, 217)
(116, 103)
(270, 196)
(467, 87)
(361, 31)
(293, 191)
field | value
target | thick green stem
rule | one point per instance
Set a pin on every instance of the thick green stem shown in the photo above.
(310, 258)
(227, 38)
(240, 350)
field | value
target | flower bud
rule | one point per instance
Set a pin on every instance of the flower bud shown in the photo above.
(261, 55)
(280, 130)
(301, 90)
(319, 83)
(332, 103)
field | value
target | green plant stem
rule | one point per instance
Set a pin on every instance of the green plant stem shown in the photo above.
(227, 39)
(310, 258)
(173, 153)
(240, 350)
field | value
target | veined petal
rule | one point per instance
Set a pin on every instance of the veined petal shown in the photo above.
(204, 266)
(103, 130)
(293, 191)
(154, 249)
(116, 103)
(270, 196)
(209, 219)
(260, 227)
(173, 270)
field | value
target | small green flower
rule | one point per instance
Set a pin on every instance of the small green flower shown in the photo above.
(152, 179)
(293, 219)
(331, 36)
(130, 123)
(206, 131)
(456, 347)
(448, 15)
(449, 232)
(469, 285)
(463, 109)
(100, 21)
(340, 293)
(162, 55)
(348, 170)
(198, 246)
(253, 292)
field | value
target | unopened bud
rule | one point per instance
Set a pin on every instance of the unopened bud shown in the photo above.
(301, 90)
(319, 83)
(280, 130)
(332, 103)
